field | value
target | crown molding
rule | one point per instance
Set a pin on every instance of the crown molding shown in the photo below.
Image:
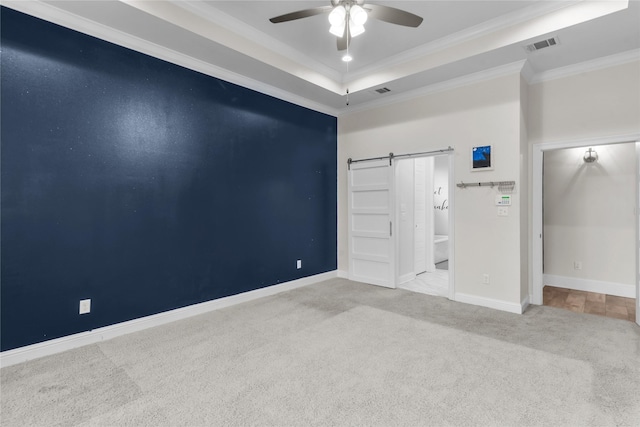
(483, 29)
(83, 25)
(573, 14)
(524, 67)
(49, 12)
(239, 27)
(235, 25)
(171, 13)
(587, 66)
(480, 76)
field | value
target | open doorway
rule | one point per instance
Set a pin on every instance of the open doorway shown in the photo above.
(589, 229)
(423, 224)
(586, 223)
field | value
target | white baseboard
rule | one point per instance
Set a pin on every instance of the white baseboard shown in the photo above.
(46, 348)
(525, 303)
(609, 288)
(343, 274)
(491, 303)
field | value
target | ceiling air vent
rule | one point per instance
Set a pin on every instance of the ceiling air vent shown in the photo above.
(541, 44)
(383, 90)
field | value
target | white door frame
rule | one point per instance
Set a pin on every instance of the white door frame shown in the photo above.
(452, 228)
(638, 233)
(535, 259)
(401, 276)
(396, 231)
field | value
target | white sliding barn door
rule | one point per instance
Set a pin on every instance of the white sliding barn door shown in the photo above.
(371, 216)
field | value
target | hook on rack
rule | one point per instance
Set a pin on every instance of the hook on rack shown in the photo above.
(503, 186)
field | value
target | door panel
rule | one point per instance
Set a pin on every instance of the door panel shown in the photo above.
(370, 176)
(370, 222)
(371, 215)
(371, 197)
(370, 246)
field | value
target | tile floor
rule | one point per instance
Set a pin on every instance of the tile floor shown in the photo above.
(590, 302)
(436, 283)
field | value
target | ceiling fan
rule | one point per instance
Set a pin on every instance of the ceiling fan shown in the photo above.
(347, 18)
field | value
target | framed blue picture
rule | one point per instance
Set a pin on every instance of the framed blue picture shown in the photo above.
(481, 158)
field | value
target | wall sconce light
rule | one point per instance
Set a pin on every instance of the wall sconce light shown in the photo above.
(590, 156)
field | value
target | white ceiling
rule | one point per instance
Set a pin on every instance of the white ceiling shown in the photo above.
(310, 36)
(298, 60)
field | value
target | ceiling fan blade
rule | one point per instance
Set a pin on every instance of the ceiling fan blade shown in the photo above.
(393, 15)
(345, 40)
(300, 14)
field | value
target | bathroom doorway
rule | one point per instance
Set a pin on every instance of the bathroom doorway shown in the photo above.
(423, 186)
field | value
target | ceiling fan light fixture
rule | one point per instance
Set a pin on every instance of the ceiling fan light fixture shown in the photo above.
(355, 30)
(337, 16)
(347, 18)
(337, 30)
(358, 15)
(347, 58)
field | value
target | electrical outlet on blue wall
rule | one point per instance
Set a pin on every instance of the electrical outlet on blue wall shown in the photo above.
(85, 306)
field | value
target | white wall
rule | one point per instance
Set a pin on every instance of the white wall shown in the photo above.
(441, 195)
(589, 214)
(405, 226)
(486, 113)
(599, 103)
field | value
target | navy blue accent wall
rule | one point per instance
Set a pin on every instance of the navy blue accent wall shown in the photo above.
(146, 186)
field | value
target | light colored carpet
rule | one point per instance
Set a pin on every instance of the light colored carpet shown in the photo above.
(342, 353)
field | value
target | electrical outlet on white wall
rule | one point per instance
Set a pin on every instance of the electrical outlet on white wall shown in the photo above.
(577, 265)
